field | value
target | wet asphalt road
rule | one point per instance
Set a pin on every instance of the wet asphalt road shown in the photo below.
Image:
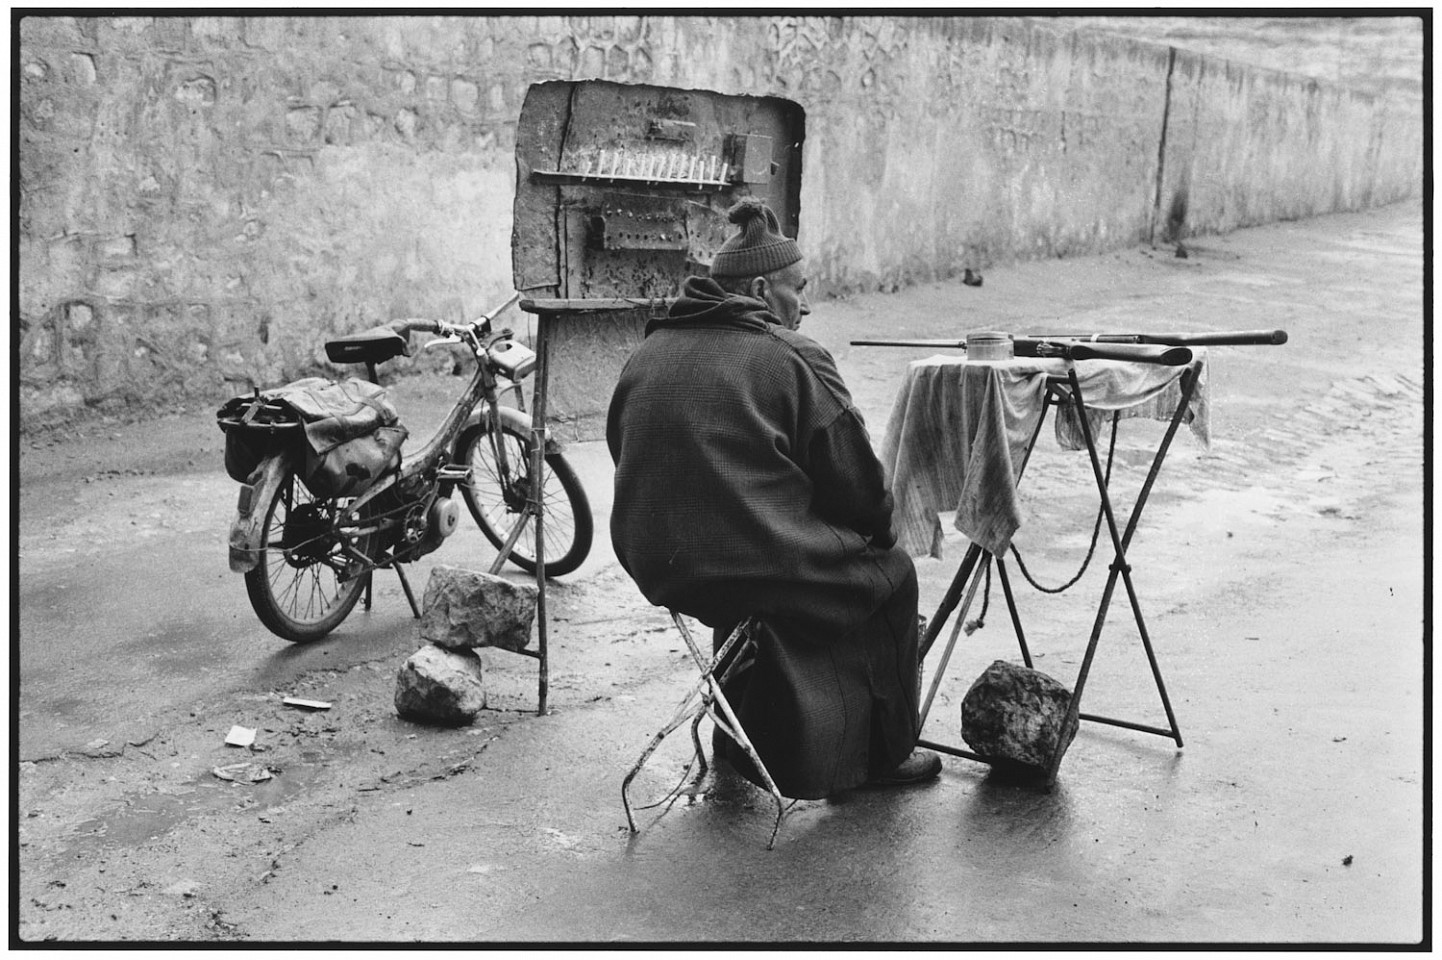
(1281, 572)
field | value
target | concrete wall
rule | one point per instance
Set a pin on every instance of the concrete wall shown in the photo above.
(203, 199)
(1247, 146)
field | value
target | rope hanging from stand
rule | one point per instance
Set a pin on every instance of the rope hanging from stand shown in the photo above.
(1096, 531)
(974, 625)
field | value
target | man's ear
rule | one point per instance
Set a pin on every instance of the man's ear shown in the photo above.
(758, 287)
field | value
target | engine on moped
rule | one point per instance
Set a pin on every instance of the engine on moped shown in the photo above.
(426, 533)
(417, 521)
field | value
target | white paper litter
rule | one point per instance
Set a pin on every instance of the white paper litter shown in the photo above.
(306, 704)
(240, 736)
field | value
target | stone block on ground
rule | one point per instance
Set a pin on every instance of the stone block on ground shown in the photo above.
(441, 687)
(463, 608)
(1013, 716)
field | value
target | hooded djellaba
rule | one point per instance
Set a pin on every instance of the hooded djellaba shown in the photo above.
(746, 485)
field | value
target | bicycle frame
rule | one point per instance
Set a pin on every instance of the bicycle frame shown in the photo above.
(428, 458)
(422, 474)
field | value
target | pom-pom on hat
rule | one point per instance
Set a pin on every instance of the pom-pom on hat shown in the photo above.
(759, 248)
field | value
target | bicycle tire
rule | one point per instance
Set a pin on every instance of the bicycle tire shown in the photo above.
(495, 502)
(296, 579)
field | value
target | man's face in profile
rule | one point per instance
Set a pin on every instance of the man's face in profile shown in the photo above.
(785, 293)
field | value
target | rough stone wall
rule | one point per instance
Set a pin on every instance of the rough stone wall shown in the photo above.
(204, 199)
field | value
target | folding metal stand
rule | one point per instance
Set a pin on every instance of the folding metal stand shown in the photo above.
(1065, 390)
(706, 699)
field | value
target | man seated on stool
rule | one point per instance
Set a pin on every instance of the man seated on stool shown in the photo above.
(746, 486)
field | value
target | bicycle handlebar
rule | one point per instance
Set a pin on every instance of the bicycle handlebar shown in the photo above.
(408, 325)
(478, 327)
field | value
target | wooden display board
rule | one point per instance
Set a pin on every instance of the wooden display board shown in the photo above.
(622, 192)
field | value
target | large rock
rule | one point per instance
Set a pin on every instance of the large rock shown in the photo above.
(442, 687)
(463, 608)
(1013, 716)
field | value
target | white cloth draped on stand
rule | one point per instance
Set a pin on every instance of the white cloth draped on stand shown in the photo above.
(958, 431)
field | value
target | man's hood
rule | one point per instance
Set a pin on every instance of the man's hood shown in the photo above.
(704, 303)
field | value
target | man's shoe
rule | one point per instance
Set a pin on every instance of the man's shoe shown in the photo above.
(921, 766)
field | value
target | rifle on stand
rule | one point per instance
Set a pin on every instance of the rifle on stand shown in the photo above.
(1167, 349)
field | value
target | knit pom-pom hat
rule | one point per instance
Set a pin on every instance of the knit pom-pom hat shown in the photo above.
(760, 248)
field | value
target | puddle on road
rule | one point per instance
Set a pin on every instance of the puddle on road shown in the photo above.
(147, 817)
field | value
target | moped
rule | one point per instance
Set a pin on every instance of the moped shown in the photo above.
(308, 548)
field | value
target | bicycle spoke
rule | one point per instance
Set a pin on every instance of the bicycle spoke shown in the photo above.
(317, 595)
(285, 597)
(303, 592)
(499, 498)
(299, 588)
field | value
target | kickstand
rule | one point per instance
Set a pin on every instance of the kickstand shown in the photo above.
(406, 586)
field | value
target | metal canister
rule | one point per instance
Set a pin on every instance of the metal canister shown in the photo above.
(989, 345)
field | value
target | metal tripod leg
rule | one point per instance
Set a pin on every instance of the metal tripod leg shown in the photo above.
(711, 697)
(1120, 567)
(732, 727)
(972, 568)
(975, 572)
(957, 585)
(684, 711)
(948, 603)
(1011, 608)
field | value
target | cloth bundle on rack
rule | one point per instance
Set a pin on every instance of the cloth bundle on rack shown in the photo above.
(351, 429)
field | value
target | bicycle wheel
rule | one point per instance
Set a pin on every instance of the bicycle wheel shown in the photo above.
(497, 500)
(297, 589)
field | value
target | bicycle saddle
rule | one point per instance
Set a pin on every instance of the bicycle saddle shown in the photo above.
(368, 346)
